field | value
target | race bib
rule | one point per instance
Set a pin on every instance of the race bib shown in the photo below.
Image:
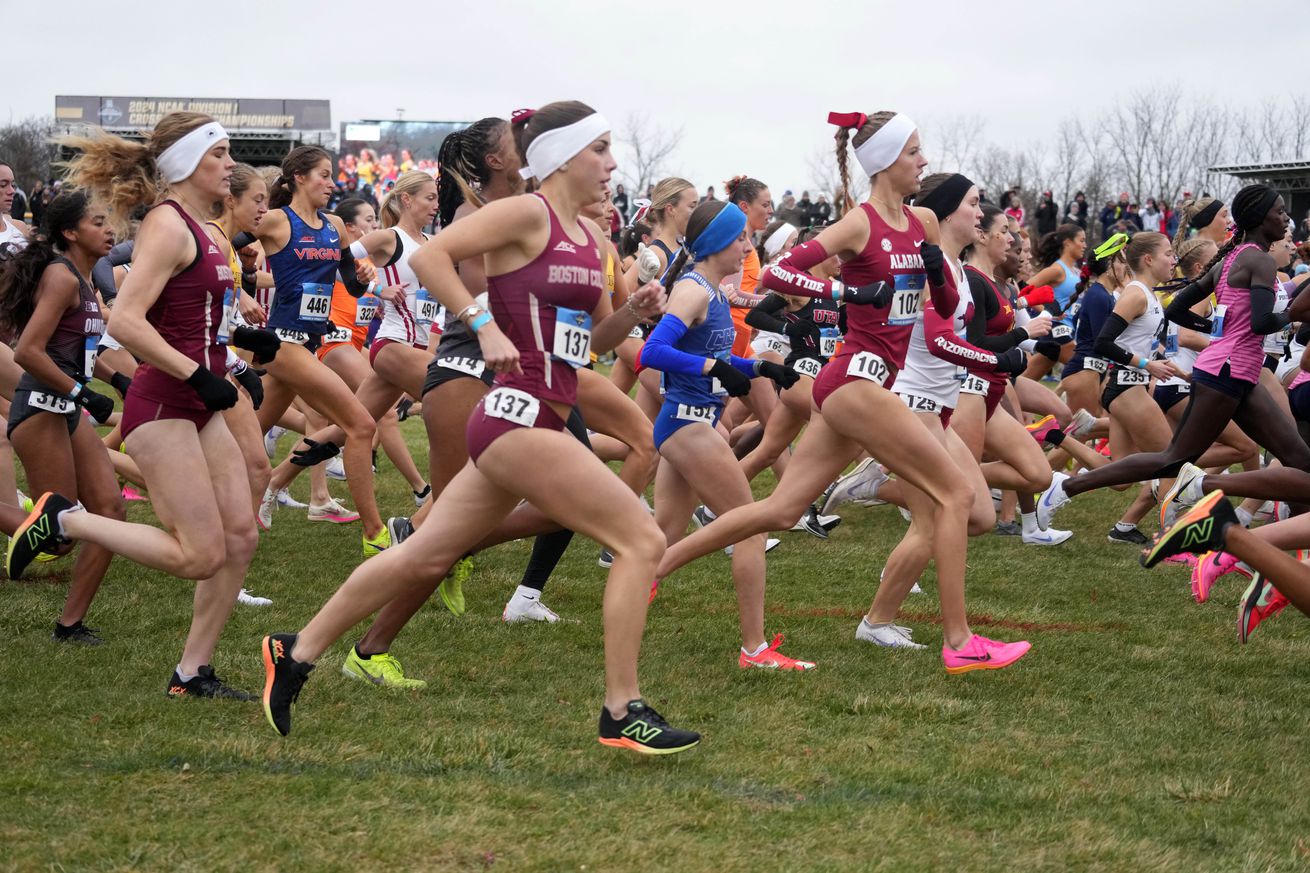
(807, 367)
(337, 335)
(696, 413)
(90, 349)
(773, 344)
(315, 301)
(512, 405)
(908, 298)
(636, 333)
(1129, 376)
(1276, 343)
(919, 403)
(1171, 340)
(1074, 310)
(829, 337)
(472, 366)
(1096, 365)
(572, 336)
(299, 337)
(55, 403)
(974, 385)
(867, 365)
(1217, 320)
(224, 332)
(429, 310)
(1061, 333)
(366, 309)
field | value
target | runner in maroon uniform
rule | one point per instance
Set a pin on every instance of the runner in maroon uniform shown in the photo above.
(46, 298)
(889, 251)
(546, 285)
(172, 314)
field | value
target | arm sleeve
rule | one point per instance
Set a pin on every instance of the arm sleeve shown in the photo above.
(1179, 310)
(102, 276)
(658, 353)
(1263, 318)
(120, 254)
(765, 315)
(1106, 346)
(348, 277)
(976, 329)
(944, 344)
(241, 240)
(745, 366)
(788, 276)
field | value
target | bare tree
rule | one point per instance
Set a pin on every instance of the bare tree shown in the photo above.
(649, 147)
(26, 147)
(956, 142)
(826, 179)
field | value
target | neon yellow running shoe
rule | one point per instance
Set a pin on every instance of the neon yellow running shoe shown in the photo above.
(380, 669)
(378, 544)
(451, 588)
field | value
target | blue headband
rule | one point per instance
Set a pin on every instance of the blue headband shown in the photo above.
(722, 231)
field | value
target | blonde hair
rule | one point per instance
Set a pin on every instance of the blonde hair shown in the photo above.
(410, 182)
(1186, 213)
(666, 194)
(121, 173)
(1189, 254)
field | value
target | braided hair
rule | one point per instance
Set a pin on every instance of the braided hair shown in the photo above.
(463, 162)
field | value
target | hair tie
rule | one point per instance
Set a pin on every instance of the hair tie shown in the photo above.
(521, 116)
(848, 120)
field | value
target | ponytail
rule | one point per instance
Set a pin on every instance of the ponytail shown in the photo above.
(300, 161)
(20, 272)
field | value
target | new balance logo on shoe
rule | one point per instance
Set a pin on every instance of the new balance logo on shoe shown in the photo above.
(642, 732)
(1198, 533)
(564, 246)
(39, 530)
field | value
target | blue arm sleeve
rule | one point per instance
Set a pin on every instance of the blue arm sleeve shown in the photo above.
(745, 366)
(659, 353)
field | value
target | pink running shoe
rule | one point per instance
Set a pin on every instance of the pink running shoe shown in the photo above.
(332, 511)
(654, 589)
(772, 659)
(1039, 429)
(131, 494)
(1261, 601)
(981, 653)
(1185, 558)
(1209, 568)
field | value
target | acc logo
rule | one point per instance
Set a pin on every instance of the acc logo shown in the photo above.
(886, 244)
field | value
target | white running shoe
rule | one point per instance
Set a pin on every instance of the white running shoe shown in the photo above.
(1081, 424)
(769, 545)
(332, 511)
(889, 636)
(266, 507)
(245, 598)
(859, 486)
(1185, 491)
(284, 498)
(701, 516)
(421, 497)
(1048, 537)
(1052, 499)
(270, 440)
(336, 469)
(522, 607)
(915, 589)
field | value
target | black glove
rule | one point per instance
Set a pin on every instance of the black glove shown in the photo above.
(1011, 361)
(934, 263)
(262, 343)
(215, 392)
(249, 380)
(803, 333)
(732, 379)
(120, 384)
(784, 376)
(878, 294)
(100, 406)
(314, 453)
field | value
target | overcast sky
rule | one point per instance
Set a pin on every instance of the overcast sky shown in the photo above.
(750, 84)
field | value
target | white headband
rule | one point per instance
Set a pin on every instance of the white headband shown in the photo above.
(180, 160)
(554, 148)
(778, 239)
(881, 150)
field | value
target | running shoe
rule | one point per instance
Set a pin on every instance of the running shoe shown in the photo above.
(1185, 491)
(284, 498)
(1260, 601)
(380, 669)
(204, 684)
(1210, 568)
(1081, 424)
(915, 589)
(1008, 529)
(1040, 428)
(1048, 537)
(701, 516)
(1132, 537)
(770, 544)
(266, 506)
(527, 607)
(245, 598)
(270, 440)
(645, 731)
(334, 512)
(400, 528)
(421, 496)
(38, 533)
(981, 653)
(451, 589)
(336, 469)
(890, 636)
(827, 522)
(378, 544)
(1103, 446)
(809, 524)
(1184, 559)
(77, 633)
(859, 486)
(403, 408)
(1051, 500)
(606, 558)
(131, 495)
(283, 679)
(769, 658)
(1199, 530)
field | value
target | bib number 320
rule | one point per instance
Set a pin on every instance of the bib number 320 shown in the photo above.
(512, 405)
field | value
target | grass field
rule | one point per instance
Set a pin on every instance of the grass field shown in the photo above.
(1136, 735)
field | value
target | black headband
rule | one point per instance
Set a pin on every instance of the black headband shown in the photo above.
(1252, 205)
(946, 197)
(1206, 215)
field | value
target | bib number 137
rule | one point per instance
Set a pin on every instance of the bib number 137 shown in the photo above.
(512, 405)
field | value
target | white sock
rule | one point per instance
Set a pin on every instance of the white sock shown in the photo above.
(526, 593)
(1124, 527)
(1029, 521)
(59, 516)
(185, 677)
(1244, 517)
(762, 647)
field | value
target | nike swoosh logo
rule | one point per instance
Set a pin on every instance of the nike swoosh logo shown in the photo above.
(917, 243)
(987, 657)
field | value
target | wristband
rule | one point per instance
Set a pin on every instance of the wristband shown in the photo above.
(76, 392)
(464, 313)
(480, 321)
(838, 289)
(755, 367)
(1142, 365)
